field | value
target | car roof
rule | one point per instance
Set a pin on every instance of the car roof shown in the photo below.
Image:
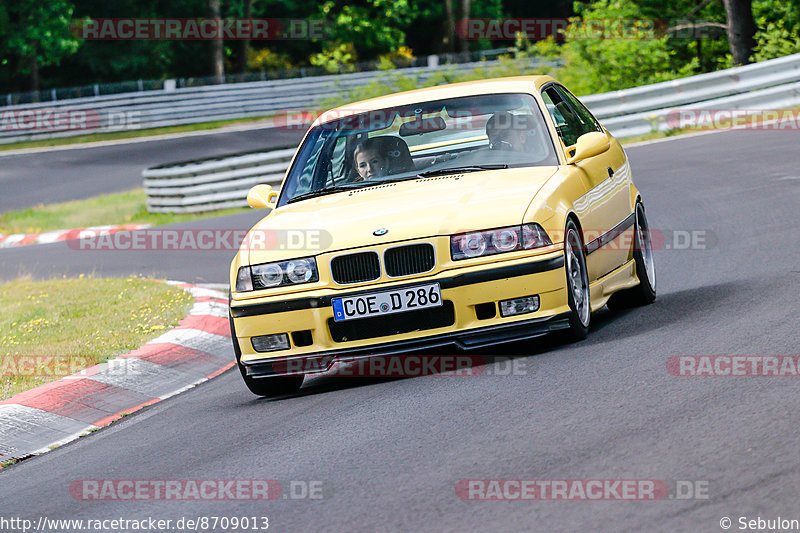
(516, 84)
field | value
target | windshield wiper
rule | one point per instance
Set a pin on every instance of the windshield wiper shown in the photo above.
(394, 180)
(323, 192)
(367, 184)
(456, 170)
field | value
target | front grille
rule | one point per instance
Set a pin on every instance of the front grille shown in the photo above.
(395, 324)
(408, 260)
(355, 268)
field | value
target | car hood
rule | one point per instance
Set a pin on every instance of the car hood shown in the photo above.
(411, 209)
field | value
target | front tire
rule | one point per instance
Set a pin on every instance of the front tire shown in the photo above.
(645, 292)
(272, 386)
(577, 283)
(268, 387)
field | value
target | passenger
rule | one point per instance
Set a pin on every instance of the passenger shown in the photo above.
(369, 160)
(511, 132)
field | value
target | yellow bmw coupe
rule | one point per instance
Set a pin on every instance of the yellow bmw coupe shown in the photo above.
(462, 215)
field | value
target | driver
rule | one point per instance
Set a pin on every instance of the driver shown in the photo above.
(511, 132)
(369, 160)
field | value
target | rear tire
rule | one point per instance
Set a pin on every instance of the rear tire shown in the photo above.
(645, 292)
(577, 283)
(268, 387)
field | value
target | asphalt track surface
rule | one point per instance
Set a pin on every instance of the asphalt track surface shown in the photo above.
(29, 179)
(390, 452)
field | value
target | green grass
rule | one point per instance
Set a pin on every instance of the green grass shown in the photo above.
(117, 208)
(53, 328)
(652, 135)
(128, 134)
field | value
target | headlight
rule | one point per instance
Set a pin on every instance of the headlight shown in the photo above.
(301, 270)
(497, 241)
(268, 275)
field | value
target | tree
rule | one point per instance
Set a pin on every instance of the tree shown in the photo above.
(244, 44)
(35, 34)
(465, 9)
(741, 29)
(598, 59)
(372, 27)
(217, 45)
(449, 37)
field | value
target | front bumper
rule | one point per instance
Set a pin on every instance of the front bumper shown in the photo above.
(470, 340)
(464, 292)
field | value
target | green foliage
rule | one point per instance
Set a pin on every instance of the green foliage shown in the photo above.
(595, 57)
(37, 31)
(386, 31)
(426, 30)
(267, 59)
(547, 49)
(113, 61)
(401, 57)
(373, 27)
(704, 42)
(336, 57)
(396, 81)
(600, 62)
(770, 11)
(775, 40)
(726, 61)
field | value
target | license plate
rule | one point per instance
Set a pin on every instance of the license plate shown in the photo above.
(387, 302)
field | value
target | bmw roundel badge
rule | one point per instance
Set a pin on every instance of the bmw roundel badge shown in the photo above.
(380, 232)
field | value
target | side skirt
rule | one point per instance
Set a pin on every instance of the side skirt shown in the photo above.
(621, 278)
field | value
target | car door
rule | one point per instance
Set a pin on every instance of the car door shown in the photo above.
(605, 208)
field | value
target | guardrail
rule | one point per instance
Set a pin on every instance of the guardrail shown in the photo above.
(215, 183)
(133, 86)
(778, 97)
(172, 106)
(695, 89)
(223, 182)
(179, 106)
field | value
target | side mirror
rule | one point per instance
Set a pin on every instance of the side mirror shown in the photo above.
(589, 145)
(262, 196)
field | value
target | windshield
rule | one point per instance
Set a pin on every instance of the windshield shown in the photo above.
(467, 133)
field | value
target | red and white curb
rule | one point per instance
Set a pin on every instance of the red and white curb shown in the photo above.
(198, 349)
(23, 239)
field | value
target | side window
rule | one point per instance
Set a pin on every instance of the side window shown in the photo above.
(587, 120)
(571, 118)
(309, 153)
(337, 167)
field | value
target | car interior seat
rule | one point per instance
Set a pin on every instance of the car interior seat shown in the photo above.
(398, 154)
